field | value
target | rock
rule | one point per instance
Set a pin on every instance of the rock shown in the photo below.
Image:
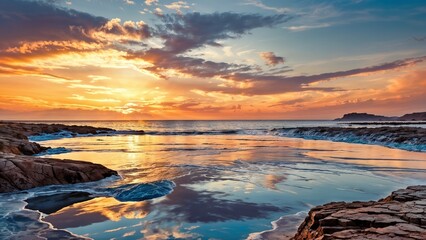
(14, 136)
(53, 203)
(143, 191)
(402, 215)
(24, 172)
(18, 172)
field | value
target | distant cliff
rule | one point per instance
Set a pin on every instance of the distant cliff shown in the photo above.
(420, 116)
(365, 117)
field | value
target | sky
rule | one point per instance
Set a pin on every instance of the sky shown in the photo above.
(205, 59)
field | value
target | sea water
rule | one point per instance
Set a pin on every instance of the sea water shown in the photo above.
(208, 180)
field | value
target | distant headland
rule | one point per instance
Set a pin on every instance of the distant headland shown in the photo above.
(418, 116)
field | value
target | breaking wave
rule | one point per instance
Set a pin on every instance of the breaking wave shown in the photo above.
(407, 139)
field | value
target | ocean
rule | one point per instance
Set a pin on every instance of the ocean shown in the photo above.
(210, 179)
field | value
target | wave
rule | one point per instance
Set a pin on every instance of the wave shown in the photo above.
(56, 135)
(53, 151)
(68, 134)
(194, 132)
(283, 228)
(411, 139)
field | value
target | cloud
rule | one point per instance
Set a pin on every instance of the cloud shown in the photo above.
(163, 60)
(245, 79)
(31, 21)
(260, 4)
(130, 2)
(151, 2)
(271, 59)
(193, 30)
(419, 39)
(183, 33)
(129, 30)
(177, 6)
(36, 27)
(274, 84)
(307, 27)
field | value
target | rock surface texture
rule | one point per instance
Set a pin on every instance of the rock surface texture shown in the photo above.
(402, 215)
(19, 172)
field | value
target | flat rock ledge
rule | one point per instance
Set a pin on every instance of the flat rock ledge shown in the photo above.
(21, 172)
(402, 215)
(25, 172)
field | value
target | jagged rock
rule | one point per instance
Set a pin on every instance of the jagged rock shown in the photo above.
(402, 215)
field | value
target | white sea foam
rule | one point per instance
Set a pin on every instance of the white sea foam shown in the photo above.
(284, 227)
(54, 136)
(350, 137)
(53, 151)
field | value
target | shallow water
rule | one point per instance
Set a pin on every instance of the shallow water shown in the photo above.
(227, 186)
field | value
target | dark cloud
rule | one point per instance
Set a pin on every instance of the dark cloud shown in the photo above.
(163, 60)
(183, 33)
(271, 84)
(271, 59)
(44, 27)
(39, 21)
(193, 30)
(259, 83)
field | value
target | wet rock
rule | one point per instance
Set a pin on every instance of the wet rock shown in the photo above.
(402, 215)
(14, 136)
(143, 191)
(24, 172)
(53, 203)
(19, 172)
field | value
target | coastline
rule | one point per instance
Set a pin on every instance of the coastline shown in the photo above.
(19, 148)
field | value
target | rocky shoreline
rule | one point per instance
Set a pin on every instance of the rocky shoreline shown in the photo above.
(402, 215)
(406, 138)
(20, 171)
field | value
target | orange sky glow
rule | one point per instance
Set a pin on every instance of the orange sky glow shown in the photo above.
(118, 68)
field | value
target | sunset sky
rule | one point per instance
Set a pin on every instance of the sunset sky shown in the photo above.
(211, 59)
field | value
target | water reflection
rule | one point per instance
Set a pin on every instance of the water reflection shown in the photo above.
(98, 210)
(227, 186)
